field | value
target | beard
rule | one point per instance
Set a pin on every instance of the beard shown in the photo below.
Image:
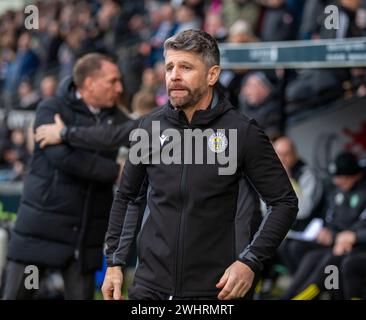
(190, 99)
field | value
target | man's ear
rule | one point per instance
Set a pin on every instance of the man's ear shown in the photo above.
(88, 83)
(213, 75)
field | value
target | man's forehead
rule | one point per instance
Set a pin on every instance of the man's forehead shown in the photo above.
(176, 56)
(109, 70)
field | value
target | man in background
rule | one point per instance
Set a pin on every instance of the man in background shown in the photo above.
(63, 215)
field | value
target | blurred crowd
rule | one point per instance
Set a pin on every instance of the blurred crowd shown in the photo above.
(32, 62)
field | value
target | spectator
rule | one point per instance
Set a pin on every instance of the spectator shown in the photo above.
(186, 19)
(278, 22)
(312, 10)
(258, 99)
(240, 32)
(15, 157)
(24, 65)
(69, 51)
(54, 41)
(246, 10)
(361, 20)
(309, 191)
(165, 29)
(48, 40)
(7, 55)
(214, 25)
(134, 54)
(149, 80)
(198, 6)
(143, 103)
(28, 97)
(48, 86)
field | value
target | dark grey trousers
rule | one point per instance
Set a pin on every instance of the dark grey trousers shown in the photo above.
(77, 286)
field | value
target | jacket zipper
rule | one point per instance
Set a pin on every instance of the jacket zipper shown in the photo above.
(180, 236)
(84, 218)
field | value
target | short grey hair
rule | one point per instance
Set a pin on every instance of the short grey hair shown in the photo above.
(196, 41)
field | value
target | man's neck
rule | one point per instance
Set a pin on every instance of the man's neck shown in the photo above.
(203, 104)
(91, 108)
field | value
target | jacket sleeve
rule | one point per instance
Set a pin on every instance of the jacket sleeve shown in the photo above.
(129, 197)
(104, 137)
(81, 163)
(120, 238)
(268, 177)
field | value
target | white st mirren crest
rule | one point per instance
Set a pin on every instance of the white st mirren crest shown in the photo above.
(217, 142)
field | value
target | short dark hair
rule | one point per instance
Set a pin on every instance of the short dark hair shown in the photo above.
(87, 65)
(197, 41)
(345, 164)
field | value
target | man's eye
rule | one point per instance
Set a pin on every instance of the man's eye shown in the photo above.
(187, 68)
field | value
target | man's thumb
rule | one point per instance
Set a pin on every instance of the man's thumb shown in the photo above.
(222, 281)
(58, 119)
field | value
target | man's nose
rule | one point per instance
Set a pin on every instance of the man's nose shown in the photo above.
(175, 74)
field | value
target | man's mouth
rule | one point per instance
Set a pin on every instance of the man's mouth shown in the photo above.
(177, 92)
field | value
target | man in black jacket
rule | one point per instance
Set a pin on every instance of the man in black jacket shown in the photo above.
(194, 237)
(63, 215)
(186, 246)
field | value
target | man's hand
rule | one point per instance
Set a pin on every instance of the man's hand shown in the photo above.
(112, 284)
(50, 133)
(236, 281)
(344, 242)
(325, 237)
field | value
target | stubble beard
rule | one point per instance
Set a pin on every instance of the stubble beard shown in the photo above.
(188, 101)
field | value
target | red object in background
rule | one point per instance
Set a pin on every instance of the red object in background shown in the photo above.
(358, 138)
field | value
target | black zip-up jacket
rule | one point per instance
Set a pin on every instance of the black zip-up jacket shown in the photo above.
(248, 217)
(188, 238)
(68, 192)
